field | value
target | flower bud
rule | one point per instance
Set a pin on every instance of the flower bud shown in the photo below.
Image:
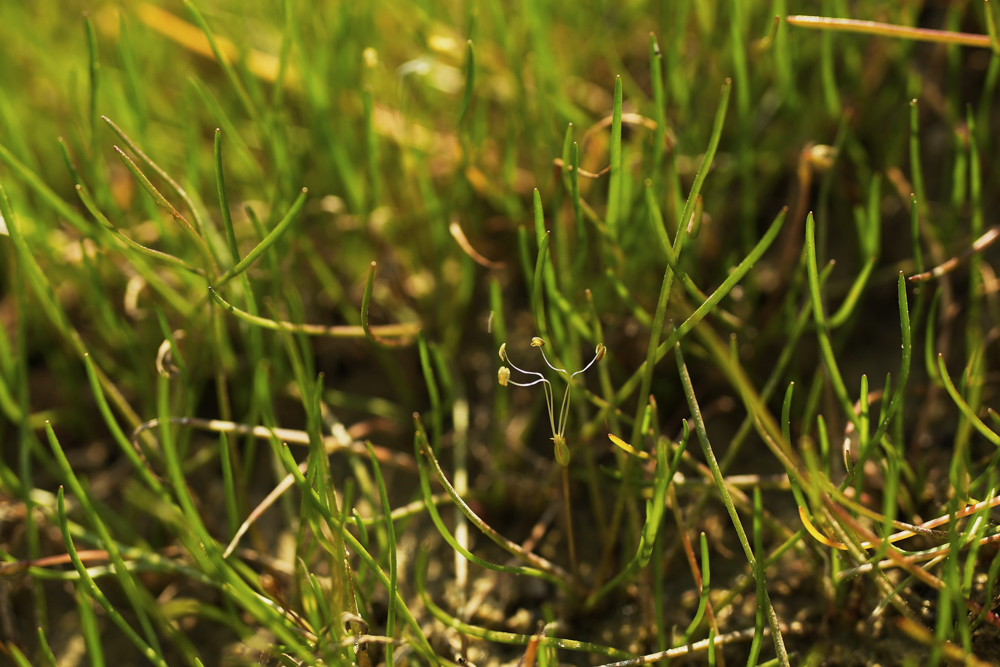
(561, 450)
(503, 375)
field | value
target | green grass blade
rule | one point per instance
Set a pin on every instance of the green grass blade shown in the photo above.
(95, 81)
(853, 296)
(88, 625)
(706, 163)
(268, 241)
(706, 446)
(223, 61)
(220, 182)
(615, 182)
(963, 406)
(55, 202)
(390, 623)
(821, 324)
(137, 597)
(93, 591)
(537, 302)
(470, 85)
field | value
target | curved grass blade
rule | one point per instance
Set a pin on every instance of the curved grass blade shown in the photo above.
(131, 453)
(178, 190)
(450, 539)
(706, 574)
(966, 410)
(268, 241)
(505, 544)
(88, 202)
(132, 590)
(367, 329)
(332, 331)
(162, 202)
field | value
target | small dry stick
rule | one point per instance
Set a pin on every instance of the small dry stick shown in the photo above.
(890, 30)
(982, 243)
(720, 640)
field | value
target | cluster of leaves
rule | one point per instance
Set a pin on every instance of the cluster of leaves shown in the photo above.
(194, 261)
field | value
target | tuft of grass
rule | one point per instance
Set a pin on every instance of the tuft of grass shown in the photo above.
(189, 287)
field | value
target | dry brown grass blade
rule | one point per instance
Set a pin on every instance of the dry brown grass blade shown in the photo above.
(890, 30)
(463, 242)
(291, 436)
(696, 647)
(262, 65)
(951, 651)
(583, 172)
(531, 651)
(919, 572)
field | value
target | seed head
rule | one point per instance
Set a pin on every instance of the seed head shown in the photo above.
(599, 352)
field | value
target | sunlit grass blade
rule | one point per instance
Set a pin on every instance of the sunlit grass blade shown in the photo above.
(853, 296)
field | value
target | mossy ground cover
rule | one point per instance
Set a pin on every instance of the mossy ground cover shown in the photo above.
(260, 259)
